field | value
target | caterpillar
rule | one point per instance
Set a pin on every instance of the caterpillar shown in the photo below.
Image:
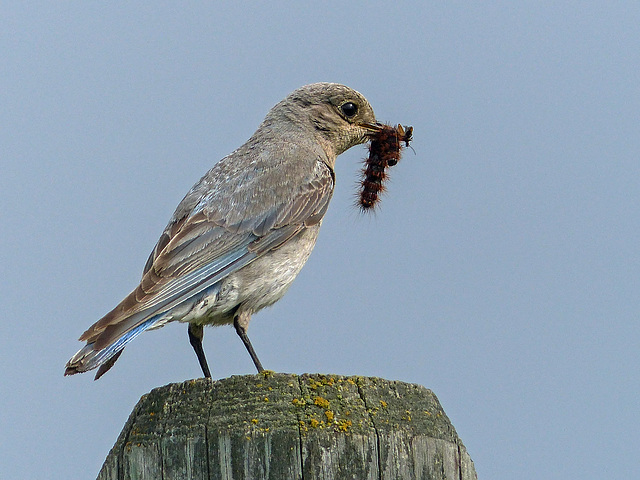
(384, 152)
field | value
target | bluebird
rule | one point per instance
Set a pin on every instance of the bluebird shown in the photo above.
(243, 232)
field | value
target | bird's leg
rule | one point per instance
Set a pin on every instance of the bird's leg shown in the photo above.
(241, 322)
(196, 333)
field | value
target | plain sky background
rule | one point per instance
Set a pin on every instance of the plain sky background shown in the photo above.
(501, 271)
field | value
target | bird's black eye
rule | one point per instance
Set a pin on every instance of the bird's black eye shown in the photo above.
(349, 109)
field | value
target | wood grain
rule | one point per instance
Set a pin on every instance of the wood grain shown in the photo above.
(281, 426)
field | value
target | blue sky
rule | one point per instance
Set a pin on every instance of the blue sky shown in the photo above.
(501, 270)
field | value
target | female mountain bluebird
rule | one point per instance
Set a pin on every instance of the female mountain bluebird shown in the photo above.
(243, 232)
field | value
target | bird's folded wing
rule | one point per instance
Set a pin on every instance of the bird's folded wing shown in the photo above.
(200, 252)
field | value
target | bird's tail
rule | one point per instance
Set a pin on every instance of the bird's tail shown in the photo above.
(88, 357)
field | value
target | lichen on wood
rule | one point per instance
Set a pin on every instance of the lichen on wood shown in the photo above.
(282, 426)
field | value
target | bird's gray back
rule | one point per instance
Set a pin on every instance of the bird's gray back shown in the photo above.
(261, 179)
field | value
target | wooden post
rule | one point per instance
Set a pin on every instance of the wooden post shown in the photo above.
(279, 427)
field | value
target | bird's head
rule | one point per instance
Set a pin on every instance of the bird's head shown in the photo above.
(335, 115)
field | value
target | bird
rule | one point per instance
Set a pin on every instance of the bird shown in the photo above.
(241, 235)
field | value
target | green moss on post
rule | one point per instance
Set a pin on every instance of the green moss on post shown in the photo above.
(280, 426)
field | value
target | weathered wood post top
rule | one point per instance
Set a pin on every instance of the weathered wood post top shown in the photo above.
(280, 426)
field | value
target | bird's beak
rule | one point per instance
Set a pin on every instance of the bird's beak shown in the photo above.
(371, 127)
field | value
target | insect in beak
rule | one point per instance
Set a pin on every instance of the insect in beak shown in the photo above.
(384, 152)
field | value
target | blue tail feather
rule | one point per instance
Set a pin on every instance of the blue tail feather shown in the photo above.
(88, 358)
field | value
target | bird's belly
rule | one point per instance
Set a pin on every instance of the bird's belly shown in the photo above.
(266, 280)
(258, 285)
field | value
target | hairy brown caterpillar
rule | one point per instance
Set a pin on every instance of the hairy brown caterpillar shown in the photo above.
(384, 152)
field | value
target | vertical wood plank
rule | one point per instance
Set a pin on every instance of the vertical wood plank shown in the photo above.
(279, 426)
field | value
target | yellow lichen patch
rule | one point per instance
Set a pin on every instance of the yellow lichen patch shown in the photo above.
(329, 415)
(313, 385)
(407, 415)
(267, 373)
(383, 403)
(344, 425)
(298, 402)
(321, 402)
(350, 380)
(321, 382)
(254, 421)
(314, 423)
(427, 412)
(266, 399)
